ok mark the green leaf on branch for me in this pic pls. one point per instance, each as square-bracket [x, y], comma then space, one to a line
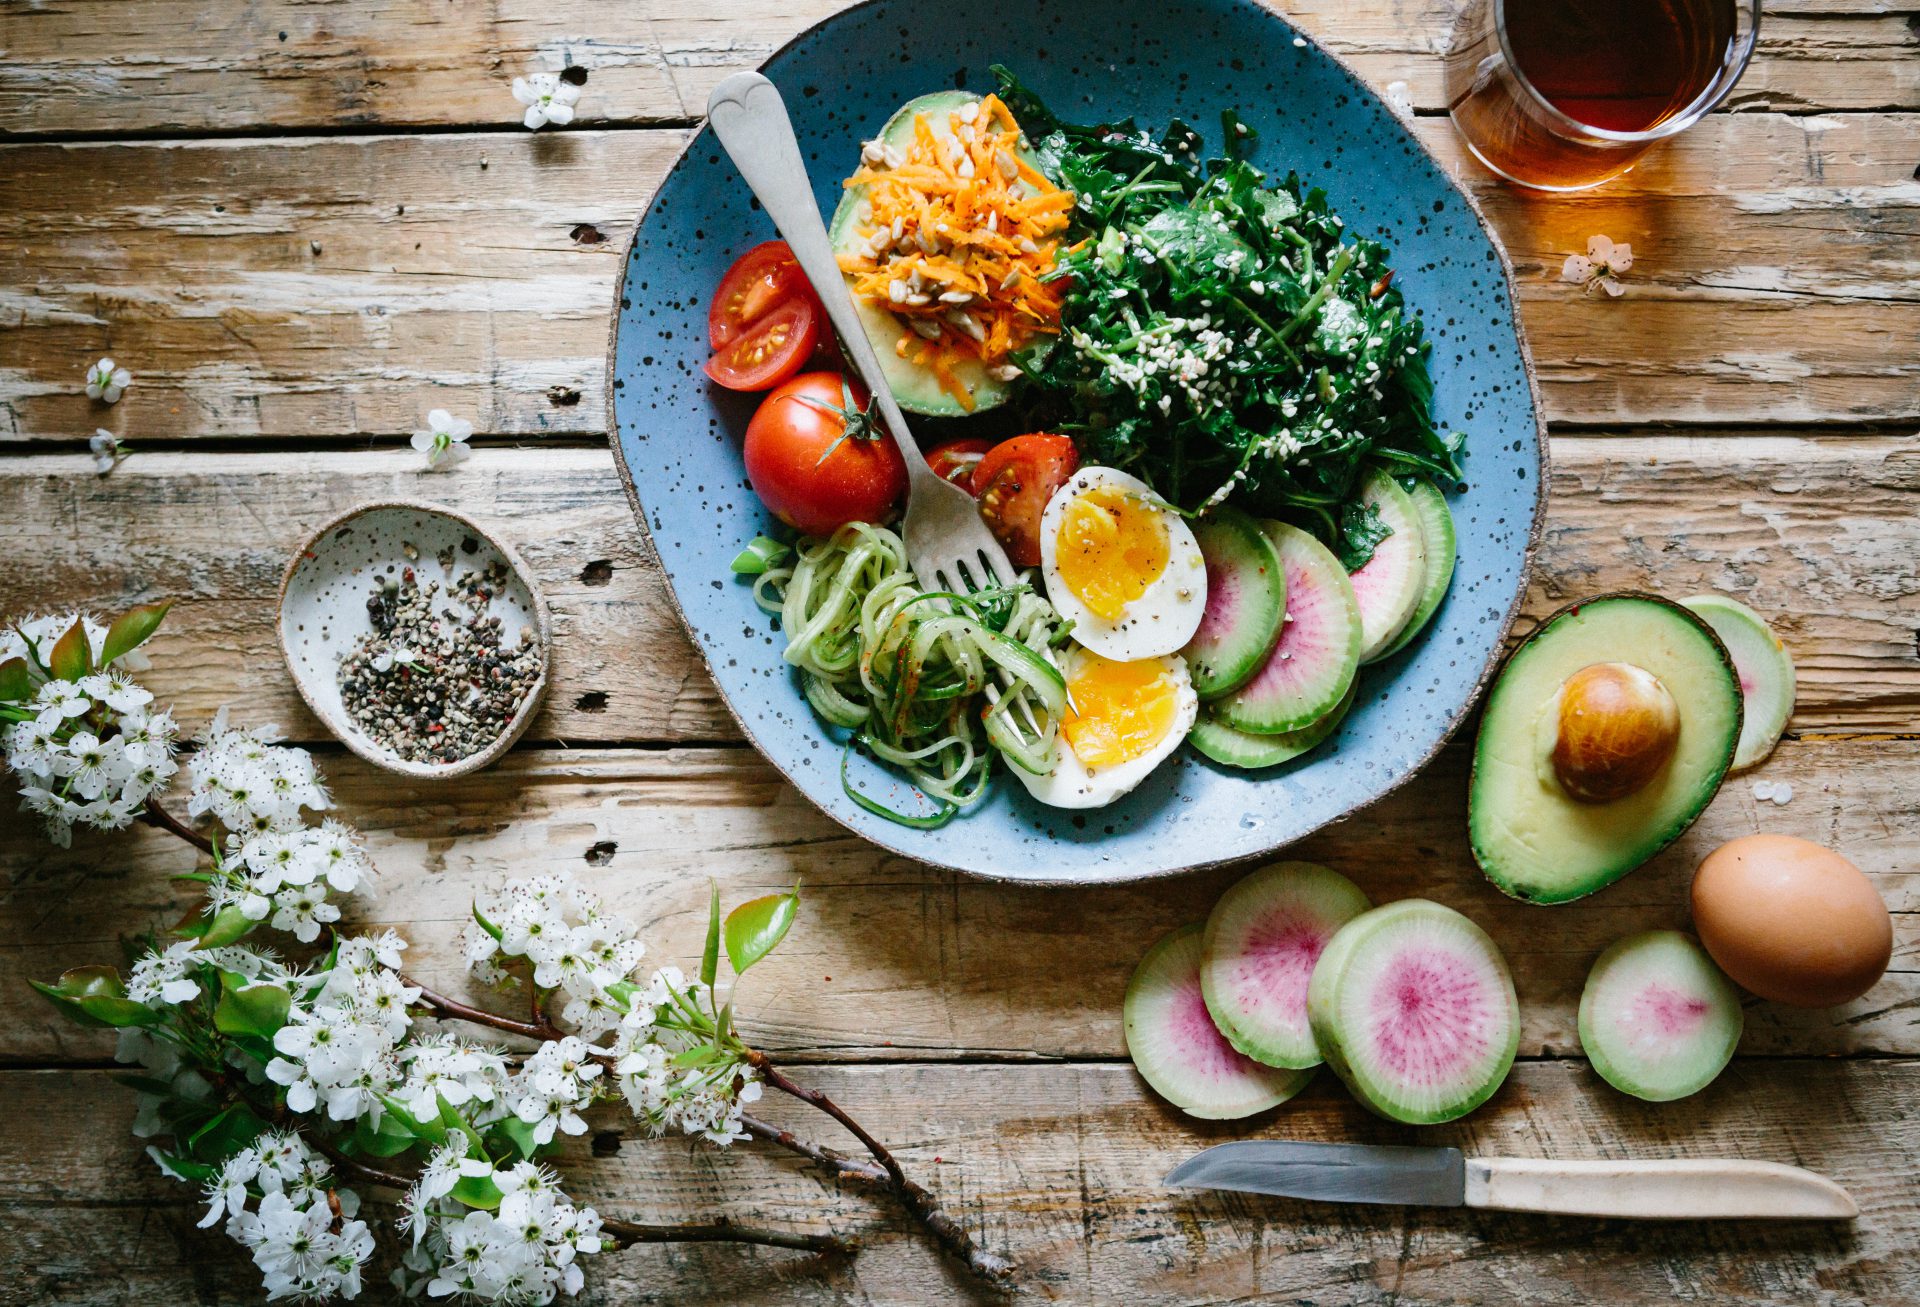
[480, 919]
[710, 959]
[432, 1131]
[477, 1191]
[95, 996]
[227, 926]
[250, 1009]
[72, 656]
[451, 1118]
[16, 680]
[519, 1135]
[183, 1168]
[756, 927]
[226, 1133]
[131, 630]
[388, 1139]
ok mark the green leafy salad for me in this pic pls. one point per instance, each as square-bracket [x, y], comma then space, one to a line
[1224, 336]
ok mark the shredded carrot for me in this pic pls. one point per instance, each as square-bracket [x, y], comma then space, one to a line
[961, 214]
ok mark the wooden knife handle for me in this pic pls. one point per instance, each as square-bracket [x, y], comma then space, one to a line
[1663, 1190]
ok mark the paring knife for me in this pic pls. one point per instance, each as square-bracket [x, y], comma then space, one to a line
[1685, 1189]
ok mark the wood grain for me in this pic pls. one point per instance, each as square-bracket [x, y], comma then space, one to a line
[1058, 1165]
[1819, 533]
[99, 66]
[330, 287]
[893, 959]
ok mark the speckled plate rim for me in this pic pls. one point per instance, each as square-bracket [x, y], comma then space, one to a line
[542, 638]
[1121, 875]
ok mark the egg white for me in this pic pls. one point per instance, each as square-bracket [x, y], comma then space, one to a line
[1160, 621]
[1071, 784]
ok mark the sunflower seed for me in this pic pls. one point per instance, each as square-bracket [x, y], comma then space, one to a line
[873, 152]
[897, 291]
[899, 229]
[1027, 246]
[918, 300]
[966, 325]
[1008, 168]
[925, 328]
[956, 297]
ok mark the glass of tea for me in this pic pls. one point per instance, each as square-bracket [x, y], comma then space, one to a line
[1562, 94]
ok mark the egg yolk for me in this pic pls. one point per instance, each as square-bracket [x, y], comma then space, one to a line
[1111, 547]
[1117, 712]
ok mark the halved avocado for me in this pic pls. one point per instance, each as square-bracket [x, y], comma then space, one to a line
[1531, 836]
[915, 387]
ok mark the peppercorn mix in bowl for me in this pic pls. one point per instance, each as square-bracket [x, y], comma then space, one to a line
[416, 637]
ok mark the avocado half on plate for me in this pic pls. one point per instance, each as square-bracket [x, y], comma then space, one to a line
[1605, 734]
[916, 387]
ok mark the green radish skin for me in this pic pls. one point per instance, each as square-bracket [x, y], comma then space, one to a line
[1389, 587]
[1258, 953]
[1765, 669]
[1658, 1020]
[1246, 603]
[1178, 1050]
[1412, 1006]
[915, 387]
[1314, 661]
[1437, 534]
[1230, 748]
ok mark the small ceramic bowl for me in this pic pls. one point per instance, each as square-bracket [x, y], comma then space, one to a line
[323, 611]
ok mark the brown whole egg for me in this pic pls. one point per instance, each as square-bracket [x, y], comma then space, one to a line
[1791, 921]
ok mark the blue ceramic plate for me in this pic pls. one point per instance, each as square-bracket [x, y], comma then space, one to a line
[678, 437]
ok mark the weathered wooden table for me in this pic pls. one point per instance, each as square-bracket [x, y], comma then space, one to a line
[303, 224]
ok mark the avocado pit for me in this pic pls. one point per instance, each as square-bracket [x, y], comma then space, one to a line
[1618, 726]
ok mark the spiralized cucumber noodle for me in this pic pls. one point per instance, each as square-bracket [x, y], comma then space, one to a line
[932, 682]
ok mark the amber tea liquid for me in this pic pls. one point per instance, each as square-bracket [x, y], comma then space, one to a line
[1543, 106]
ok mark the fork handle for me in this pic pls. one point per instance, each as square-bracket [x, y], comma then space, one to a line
[748, 115]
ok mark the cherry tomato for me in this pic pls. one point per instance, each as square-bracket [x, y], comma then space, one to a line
[956, 459]
[810, 469]
[1013, 484]
[764, 276]
[774, 347]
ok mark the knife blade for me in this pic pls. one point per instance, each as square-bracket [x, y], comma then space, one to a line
[1667, 1189]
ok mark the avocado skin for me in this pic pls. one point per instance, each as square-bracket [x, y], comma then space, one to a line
[1642, 834]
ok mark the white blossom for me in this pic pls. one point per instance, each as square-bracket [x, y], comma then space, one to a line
[92, 754]
[106, 449]
[525, 1252]
[249, 784]
[444, 441]
[548, 99]
[106, 381]
[1599, 268]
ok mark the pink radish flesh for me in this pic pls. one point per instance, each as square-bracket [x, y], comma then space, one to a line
[1432, 1018]
[1305, 646]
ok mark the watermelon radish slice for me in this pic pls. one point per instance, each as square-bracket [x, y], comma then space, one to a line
[1312, 664]
[1258, 951]
[1412, 1005]
[1436, 533]
[1658, 1019]
[1178, 1050]
[1765, 670]
[1246, 602]
[1232, 748]
[1389, 587]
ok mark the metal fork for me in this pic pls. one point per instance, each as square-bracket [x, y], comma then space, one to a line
[948, 546]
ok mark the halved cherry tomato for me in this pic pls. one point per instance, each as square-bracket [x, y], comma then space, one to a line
[817, 461]
[764, 276]
[956, 459]
[1013, 484]
[774, 347]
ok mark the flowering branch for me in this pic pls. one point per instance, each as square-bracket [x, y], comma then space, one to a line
[156, 815]
[269, 1082]
[922, 1204]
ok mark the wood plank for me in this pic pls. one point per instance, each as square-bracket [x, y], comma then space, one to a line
[1817, 532]
[330, 287]
[1059, 1166]
[893, 959]
[100, 67]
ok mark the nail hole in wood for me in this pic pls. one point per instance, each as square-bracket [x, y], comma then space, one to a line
[601, 853]
[598, 572]
[592, 701]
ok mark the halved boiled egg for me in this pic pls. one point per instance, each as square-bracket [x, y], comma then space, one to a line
[1121, 565]
[1122, 720]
